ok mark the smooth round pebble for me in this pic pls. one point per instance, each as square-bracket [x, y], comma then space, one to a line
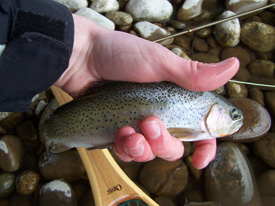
[165, 178]
[261, 68]
[27, 182]
[270, 101]
[7, 184]
[265, 149]
[238, 52]
[227, 33]
[74, 5]
[176, 24]
[58, 193]
[119, 18]
[96, 18]
[60, 165]
[205, 58]
[229, 178]
[152, 11]
[27, 131]
[241, 6]
[242, 75]
[256, 123]
[236, 90]
[200, 45]
[104, 6]
[11, 119]
[178, 51]
[258, 36]
[11, 153]
[189, 10]
[257, 95]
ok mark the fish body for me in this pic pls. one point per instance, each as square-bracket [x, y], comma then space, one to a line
[93, 121]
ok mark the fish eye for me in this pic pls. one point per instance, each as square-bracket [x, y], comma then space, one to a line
[235, 113]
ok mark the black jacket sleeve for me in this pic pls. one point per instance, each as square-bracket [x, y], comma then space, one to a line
[38, 35]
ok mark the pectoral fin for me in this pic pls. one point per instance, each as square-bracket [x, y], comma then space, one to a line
[187, 135]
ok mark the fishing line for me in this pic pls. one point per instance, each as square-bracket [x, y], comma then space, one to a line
[251, 83]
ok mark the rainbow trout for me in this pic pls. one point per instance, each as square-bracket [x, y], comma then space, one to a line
[94, 120]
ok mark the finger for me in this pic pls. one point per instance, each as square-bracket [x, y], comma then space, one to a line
[162, 143]
[198, 76]
[205, 151]
[132, 146]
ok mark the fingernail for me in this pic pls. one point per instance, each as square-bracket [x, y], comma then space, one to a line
[135, 151]
[151, 129]
[206, 161]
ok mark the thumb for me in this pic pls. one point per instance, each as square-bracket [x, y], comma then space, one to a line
[199, 76]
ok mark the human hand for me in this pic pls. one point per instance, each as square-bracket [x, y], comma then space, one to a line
[101, 54]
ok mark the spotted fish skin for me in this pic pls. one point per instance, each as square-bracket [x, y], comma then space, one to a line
[95, 119]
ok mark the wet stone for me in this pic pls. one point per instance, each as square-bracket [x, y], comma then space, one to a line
[238, 52]
[236, 90]
[204, 33]
[228, 178]
[27, 182]
[58, 193]
[60, 166]
[200, 45]
[242, 75]
[12, 119]
[164, 178]
[119, 18]
[212, 42]
[256, 123]
[215, 52]
[27, 131]
[265, 149]
[240, 6]
[227, 33]
[262, 68]
[162, 200]
[266, 184]
[104, 6]
[257, 95]
[7, 184]
[96, 18]
[176, 24]
[152, 11]
[205, 58]
[270, 101]
[189, 10]
[178, 51]
[258, 36]
[11, 153]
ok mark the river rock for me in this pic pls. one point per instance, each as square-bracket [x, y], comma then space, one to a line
[258, 36]
[266, 183]
[178, 51]
[262, 68]
[27, 182]
[196, 173]
[184, 42]
[189, 10]
[7, 184]
[236, 90]
[74, 5]
[11, 153]
[96, 18]
[27, 131]
[265, 149]
[119, 18]
[161, 177]
[205, 58]
[58, 193]
[104, 6]
[151, 31]
[22, 200]
[242, 75]
[60, 165]
[3, 130]
[204, 33]
[238, 52]
[162, 200]
[152, 11]
[256, 123]
[263, 80]
[200, 45]
[227, 33]
[257, 95]
[212, 42]
[268, 17]
[241, 6]
[228, 178]
[270, 101]
[11, 119]
[176, 24]
[202, 204]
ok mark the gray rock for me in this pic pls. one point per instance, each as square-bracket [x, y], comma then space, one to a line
[11, 153]
[189, 10]
[258, 36]
[96, 18]
[104, 6]
[229, 178]
[74, 5]
[240, 6]
[119, 18]
[227, 33]
[58, 193]
[152, 11]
